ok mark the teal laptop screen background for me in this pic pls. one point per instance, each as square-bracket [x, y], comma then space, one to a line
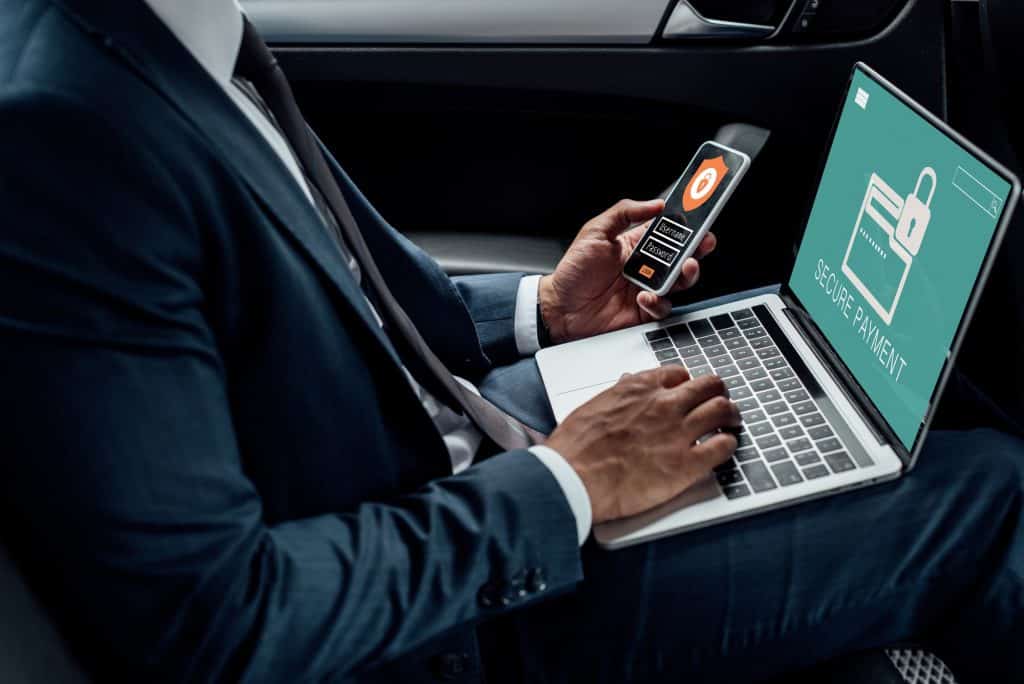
[887, 264]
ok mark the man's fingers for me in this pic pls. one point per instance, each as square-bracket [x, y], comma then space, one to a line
[672, 375]
[690, 395]
[624, 214]
[654, 306]
[707, 245]
[689, 274]
[715, 450]
[717, 412]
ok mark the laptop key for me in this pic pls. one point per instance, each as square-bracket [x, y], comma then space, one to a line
[701, 328]
[796, 396]
[719, 361]
[659, 345]
[721, 321]
[820, 432]
[741, 391]
[689, 350]
[839, 462]
[768, 352]
[729, 334]
[735, 343]
[708, 341]
[789, 385]
[787, 474]
[730, 477]
[700, 371]
[715, 350]
[770, 395]
[748, 404]
[736, 491]
[733, 383]
[747, 364]
[762, 385]
[756, 373]
[742, 313]
[742, 353]
[802, 444]
[672, 362]
[804, 407]
[758, 476]
[754, 333]
[744, 440]
[791, 432]
[753, 416]
[768, 442]
[781, 374]
[812, 419]
[697, 360]
[777, 362]
[760, 429]
[761, 343]
[744, 455]
[680, 334]
[728, 372]
[748, 323]
[656, 335]
[773, 455]
[814, 472]
[776, 407]
[830, 444]
[783, 419]
[807, 457]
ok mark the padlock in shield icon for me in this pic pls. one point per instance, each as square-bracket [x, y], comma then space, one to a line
[886, 238]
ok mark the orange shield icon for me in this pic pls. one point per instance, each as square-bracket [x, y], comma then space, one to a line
[704, 183]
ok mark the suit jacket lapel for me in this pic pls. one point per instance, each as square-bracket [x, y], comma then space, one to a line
[138, 36]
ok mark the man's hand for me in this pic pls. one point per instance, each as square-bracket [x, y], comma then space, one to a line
[634, 445]
[587, 294]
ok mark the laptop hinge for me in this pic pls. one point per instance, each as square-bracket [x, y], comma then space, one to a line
[816, 341]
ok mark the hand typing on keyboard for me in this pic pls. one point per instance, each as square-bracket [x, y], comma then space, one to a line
[634, 445]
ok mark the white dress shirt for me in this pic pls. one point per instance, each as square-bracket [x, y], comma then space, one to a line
[211, 30]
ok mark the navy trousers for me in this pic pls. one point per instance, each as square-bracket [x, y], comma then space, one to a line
[934, 558]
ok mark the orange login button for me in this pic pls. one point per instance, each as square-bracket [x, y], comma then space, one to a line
[646, 271]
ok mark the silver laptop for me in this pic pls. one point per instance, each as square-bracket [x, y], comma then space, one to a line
[838, 375]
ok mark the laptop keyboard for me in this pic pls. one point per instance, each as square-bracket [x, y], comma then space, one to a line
[790, 433]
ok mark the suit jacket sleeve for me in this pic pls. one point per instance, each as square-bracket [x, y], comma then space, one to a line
[124, 486]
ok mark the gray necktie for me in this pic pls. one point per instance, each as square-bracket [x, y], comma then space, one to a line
[272, 94]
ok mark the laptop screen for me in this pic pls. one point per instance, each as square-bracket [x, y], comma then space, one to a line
[896, 238]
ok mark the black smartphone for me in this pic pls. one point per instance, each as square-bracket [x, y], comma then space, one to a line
[693, 205]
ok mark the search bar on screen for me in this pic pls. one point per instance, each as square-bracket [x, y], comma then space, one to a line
[976, 191]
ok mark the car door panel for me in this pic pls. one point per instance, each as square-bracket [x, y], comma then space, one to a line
[458, 21]
[533, 139]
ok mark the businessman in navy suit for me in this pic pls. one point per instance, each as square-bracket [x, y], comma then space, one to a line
[244, 439]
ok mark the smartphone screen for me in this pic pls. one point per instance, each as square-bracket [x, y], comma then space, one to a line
[694, 200]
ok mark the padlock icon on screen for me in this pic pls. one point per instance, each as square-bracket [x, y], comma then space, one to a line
[916, 214]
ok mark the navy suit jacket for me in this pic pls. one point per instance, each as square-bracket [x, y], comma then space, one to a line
[214, 467]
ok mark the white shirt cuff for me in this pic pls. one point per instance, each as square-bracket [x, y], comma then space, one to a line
[572, 487]
[526, 316]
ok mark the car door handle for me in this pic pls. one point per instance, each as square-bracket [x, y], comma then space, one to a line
[686, 23]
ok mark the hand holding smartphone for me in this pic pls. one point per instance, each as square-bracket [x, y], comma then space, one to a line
[691, 208]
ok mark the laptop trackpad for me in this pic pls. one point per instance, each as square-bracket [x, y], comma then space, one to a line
[565, 403]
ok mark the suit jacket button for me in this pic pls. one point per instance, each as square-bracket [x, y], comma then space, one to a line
[451, 666]
[535, 581]
[487, 596]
